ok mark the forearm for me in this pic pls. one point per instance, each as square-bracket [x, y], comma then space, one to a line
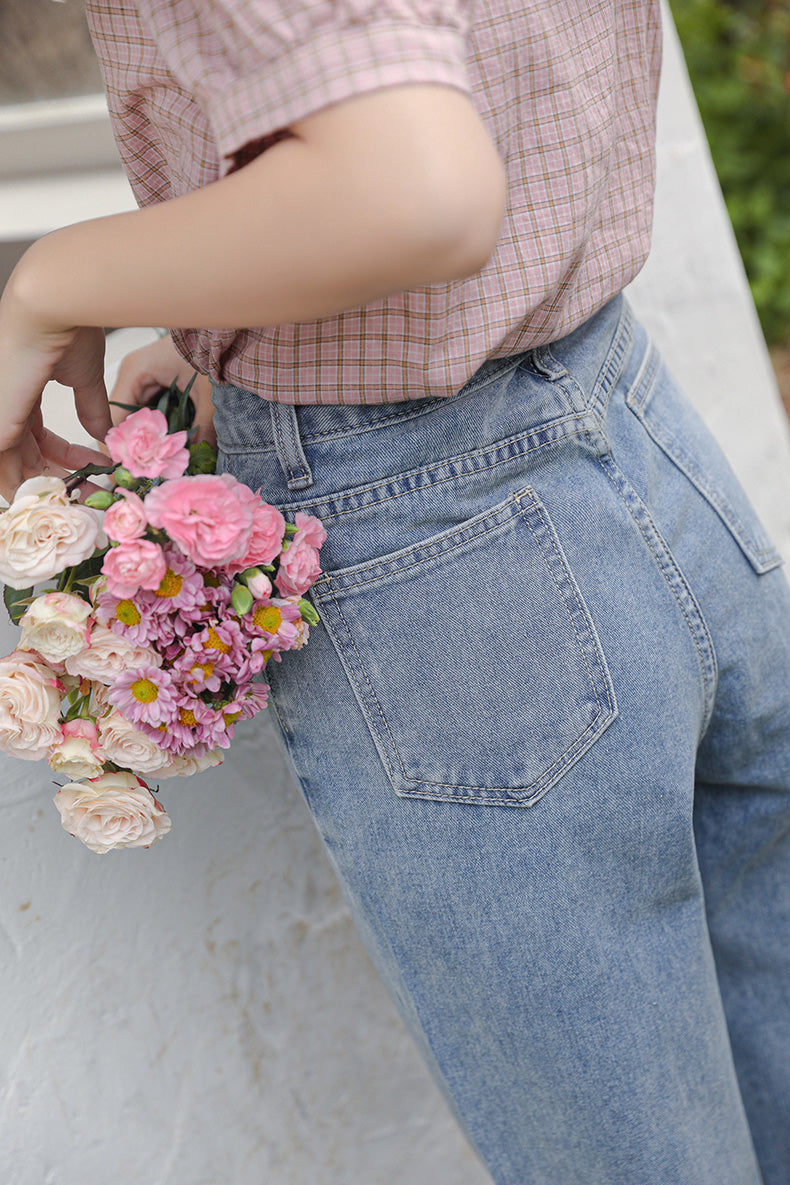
[291, 237]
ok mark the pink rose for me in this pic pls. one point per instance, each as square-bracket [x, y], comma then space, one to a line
[132, 566]
[209, 516]
[310, 530]
[141, 443]
[299, 568]
[125, 520]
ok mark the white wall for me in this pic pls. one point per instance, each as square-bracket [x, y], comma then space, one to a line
[202, 1013]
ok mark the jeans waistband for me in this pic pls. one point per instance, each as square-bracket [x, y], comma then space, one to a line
[587, 355]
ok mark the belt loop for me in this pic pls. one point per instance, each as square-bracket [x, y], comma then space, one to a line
[285, 429]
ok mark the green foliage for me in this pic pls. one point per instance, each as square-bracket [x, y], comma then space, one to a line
[738, 56]
[16, 601]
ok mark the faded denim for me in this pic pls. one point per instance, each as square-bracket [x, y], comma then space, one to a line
[544, 731]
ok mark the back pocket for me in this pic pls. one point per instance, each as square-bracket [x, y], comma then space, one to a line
[473, 658]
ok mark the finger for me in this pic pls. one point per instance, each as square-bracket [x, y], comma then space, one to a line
[57, 451]
[93, 410]
[11, 473]
[204, 430]
[143, 388]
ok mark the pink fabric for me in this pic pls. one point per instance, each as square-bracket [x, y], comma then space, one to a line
[566, 88]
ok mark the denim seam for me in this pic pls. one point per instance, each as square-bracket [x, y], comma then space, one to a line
[281, 720]
[538, 508]
[579, 743]
[708, 663]
[575, 427]
[290, 423]
[619, 350]
[688, 466]
[639, 393]
[379, 746]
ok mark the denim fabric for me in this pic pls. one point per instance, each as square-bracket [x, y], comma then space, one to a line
[544, 730]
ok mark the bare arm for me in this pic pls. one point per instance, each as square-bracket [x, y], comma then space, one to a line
[387, 191]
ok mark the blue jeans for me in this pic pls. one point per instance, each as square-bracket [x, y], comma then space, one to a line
[544, 731]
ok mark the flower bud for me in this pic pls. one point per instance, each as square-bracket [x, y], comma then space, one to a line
[122, 477]
[258, 583]
[241, 599]
[308, 611]
[101, 500]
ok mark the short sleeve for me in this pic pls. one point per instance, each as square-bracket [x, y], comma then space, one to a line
[255, 66]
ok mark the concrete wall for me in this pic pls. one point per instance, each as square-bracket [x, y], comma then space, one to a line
[203, 1013]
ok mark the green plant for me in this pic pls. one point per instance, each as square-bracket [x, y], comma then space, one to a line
[738, 56]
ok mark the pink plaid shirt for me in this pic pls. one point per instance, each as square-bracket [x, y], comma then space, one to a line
[566, 88]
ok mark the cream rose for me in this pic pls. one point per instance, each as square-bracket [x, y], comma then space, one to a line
[43, 532]
[182, 766]
[55, 625]
[29, 707]
[116, 810]
[108, 655]
[122, 743]
[78, 755]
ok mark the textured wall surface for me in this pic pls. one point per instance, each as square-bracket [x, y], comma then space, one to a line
[202, 1013]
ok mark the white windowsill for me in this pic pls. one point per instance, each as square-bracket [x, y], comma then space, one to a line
[58, 164]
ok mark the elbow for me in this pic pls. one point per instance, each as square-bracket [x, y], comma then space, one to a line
[466, 221]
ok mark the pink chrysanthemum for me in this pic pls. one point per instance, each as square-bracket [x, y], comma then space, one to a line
[132, 617]
[275, 620]
[210, 606]
[223, 641]
[193, 727]
[181, 588]
[195, 670]
[147, 695]
[247, 702]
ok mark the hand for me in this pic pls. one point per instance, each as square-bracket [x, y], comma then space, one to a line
[145, 371]
[31, 353]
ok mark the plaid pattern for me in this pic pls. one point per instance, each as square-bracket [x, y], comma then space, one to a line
[566, 88]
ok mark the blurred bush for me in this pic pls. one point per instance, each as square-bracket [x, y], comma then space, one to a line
[738, 56]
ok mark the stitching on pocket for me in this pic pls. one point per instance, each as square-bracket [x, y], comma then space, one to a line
[393, 569]
[502, 796]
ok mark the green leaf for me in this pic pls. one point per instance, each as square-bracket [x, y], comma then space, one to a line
[89, 570]
[125, 406]
[202, 458]
[16, 601]
[80, 475]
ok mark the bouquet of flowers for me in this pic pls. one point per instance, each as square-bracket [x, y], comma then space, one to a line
[165, 597]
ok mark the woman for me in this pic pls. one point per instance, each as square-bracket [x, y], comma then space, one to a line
[544, 727]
